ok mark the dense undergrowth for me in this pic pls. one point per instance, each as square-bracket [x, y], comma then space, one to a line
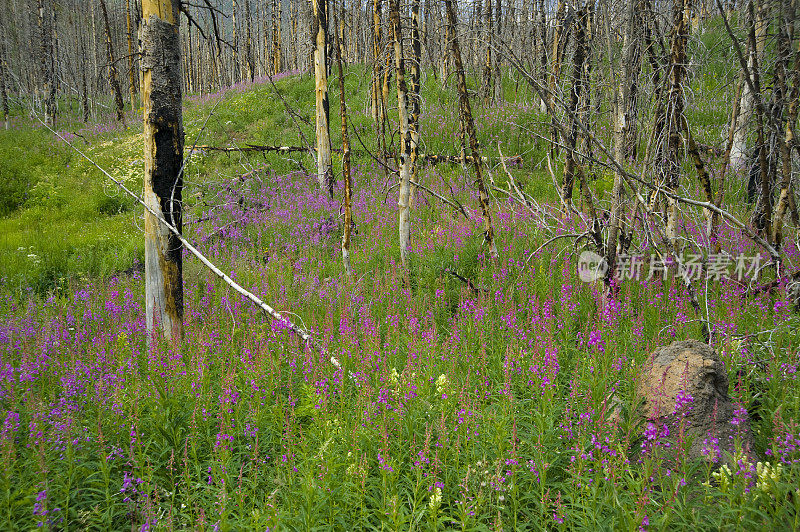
[445, 406]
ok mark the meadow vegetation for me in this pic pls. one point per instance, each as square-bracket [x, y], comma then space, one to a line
[504, 404]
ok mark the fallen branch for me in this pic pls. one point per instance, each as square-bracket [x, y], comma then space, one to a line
[302, 333]
[432, 159]
[476, 290]
[454, 204]
[251, 147]
[768, 287]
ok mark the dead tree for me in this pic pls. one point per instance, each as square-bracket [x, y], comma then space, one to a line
[113, 78]
[468, 127]
[783, 73]
[488, 79]
[348, 201]
[625, 110]
[248, 42]
[133, 82]
[45, 22]
[277, 63]
[163, 160]
[414, 97]
[377, 49]
[3, 89]
[576, 99]
[673, 115]
[320, 51]
[406, 161]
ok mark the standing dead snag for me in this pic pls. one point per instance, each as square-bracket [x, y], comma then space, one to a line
[132, 81]
[3, 91]
[277, 63]
[113, 79]
[324, 170]
[348, 202]
[576, 97]
[674, 115]
[414, 99]
[45, 22]
[468, 127]
[406, 161]
[163, 158]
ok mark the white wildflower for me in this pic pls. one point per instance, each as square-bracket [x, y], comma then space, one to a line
[436, 499]
[442, 384]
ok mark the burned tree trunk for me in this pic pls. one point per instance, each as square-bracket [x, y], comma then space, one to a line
[3, 89]
[132, 81]
[783, 73]
[248, 42]
[674, 114]
[163, 160]
[348, 201]
[739, 155]
[624, 130]
[468, 127]
[414, 98]
[406, 162]
[324, 170]
[576, 96]
[277, 65]
[488, 89]
[84, 84]
[378, 99]
[555, 71]
[113, 79]
[45, 21]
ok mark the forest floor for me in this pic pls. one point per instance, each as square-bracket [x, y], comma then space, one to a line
[474, 406]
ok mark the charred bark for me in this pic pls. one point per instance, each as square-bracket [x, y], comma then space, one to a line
[468, 125]
[113, 78]
[163, 160]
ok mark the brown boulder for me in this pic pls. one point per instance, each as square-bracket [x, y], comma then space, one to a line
[685, 389]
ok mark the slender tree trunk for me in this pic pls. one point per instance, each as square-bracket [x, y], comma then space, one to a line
[132, 81]
[542, 23]
[555, 70]
[488, 89]
[45, 20]
[763, 212]
[783, 73]
[348, 202]
[163, 160]
[416, 61]
[404, 222]
[377, 44]
[3, 88]
[236, 70]
[674, 114]
[576, 95]
[624, 145]
[277, 65]
[739, 154]
[112, 66]
[324, 170]
[468, 125]
[248, 42]
[498, 72]
[84, 84]
[293, 22]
